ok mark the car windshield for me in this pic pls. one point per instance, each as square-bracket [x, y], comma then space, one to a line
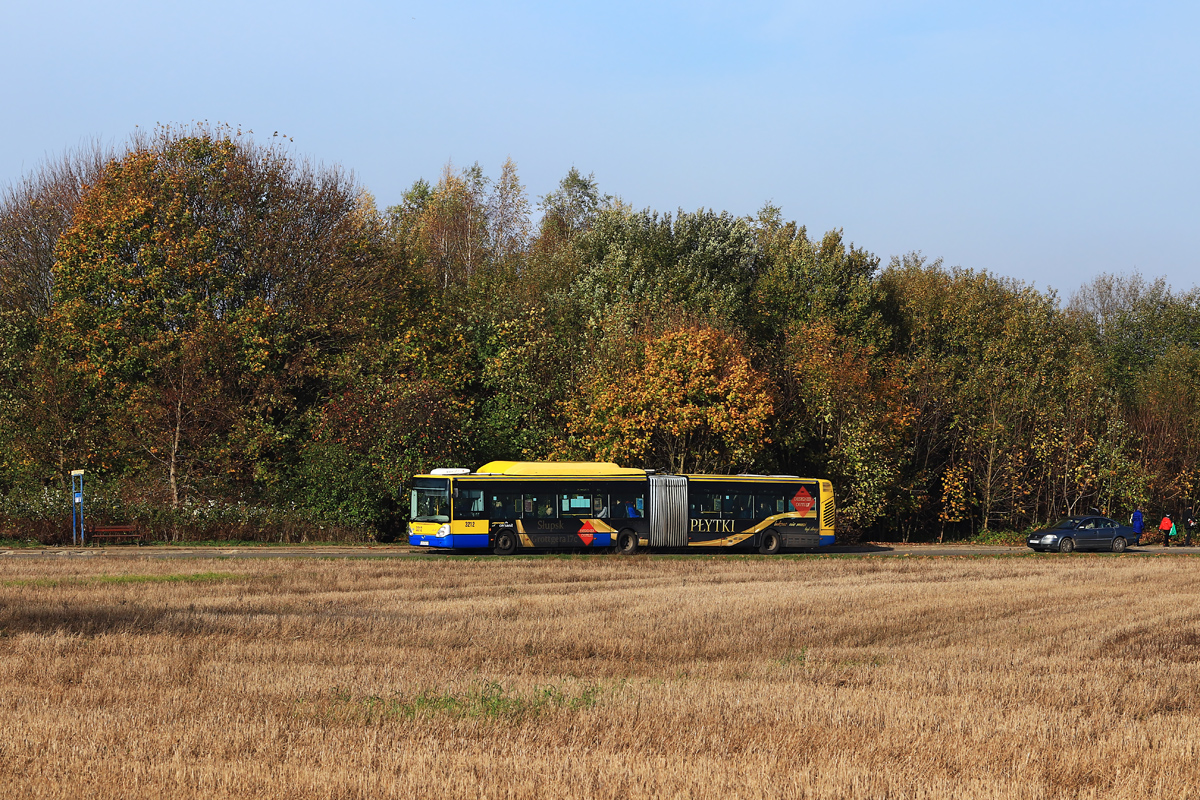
[430, 500]
[1070, 524]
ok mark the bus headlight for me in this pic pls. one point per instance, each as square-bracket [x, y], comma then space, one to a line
[443, 531]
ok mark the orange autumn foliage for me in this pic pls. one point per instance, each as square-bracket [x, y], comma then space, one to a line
[688, 400]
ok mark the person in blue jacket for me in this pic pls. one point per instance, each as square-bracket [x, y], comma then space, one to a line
[1137, 523]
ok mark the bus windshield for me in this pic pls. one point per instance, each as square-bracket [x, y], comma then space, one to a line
[430, 500]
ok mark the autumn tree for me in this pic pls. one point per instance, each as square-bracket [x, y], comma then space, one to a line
[818, 302]
[44, 409]
[196, 315]
[1146, 337]
[452, 226]
[1165, 417]
[688, 400]
[852, 405]
[178, 302]
[34, 212]
[1013, 423]
[509, 226]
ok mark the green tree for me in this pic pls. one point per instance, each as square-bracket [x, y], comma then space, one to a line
[1011, 422]
[533, 364]
[366, 444]
[802, 280]
[570, 210]
[640, 266]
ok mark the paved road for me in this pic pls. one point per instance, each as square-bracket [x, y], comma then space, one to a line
[403, 551]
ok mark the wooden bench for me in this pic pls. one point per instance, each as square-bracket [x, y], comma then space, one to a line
[114, 533]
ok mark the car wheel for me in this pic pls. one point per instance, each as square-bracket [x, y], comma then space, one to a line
[770, 544]
[1066, 544]
[1118, 545]
[506, 543]
[627, 543]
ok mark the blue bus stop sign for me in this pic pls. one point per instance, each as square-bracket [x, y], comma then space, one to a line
[77, 529]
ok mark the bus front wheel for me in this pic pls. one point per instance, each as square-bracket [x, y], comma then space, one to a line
[506, 543]
[770, 544]
[627, 543]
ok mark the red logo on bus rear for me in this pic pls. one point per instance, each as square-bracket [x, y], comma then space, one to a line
[802, 501]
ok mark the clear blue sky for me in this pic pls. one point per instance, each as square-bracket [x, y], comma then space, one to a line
[1048, 141]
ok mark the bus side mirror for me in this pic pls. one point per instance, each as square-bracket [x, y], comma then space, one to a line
[455, 492]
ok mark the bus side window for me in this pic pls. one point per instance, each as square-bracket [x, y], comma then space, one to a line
[505, 506]
[705, 505]
[544, 505]
[769, 503]
[738, 506]
[469, 504]
[626, 505]
[575, 504]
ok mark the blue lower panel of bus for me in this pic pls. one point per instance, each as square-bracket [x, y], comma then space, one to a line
[463, 540]
[469, 540]
[826, 540]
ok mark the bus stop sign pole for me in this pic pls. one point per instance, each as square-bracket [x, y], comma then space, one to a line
[77, 506]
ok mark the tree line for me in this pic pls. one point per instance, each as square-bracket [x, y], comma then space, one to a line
[234, 342]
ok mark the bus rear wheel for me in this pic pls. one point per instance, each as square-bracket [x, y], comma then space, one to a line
[506, 543]
[627, 543]
[770, 544]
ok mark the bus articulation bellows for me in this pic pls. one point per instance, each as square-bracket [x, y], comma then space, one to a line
[511, 505]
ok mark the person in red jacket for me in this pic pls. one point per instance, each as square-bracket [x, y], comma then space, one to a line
[1165, 526]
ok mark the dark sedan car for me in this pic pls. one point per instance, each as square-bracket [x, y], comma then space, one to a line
[1084, 533]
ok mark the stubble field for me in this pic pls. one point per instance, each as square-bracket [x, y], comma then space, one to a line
[601, 677]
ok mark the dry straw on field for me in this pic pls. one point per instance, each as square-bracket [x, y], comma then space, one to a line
[601, 677]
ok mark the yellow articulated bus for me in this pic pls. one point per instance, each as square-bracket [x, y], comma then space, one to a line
[511, 505]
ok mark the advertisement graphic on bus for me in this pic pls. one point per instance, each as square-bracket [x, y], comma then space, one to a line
[511, 505]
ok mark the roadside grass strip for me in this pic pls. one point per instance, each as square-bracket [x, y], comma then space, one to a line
[187, 577]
